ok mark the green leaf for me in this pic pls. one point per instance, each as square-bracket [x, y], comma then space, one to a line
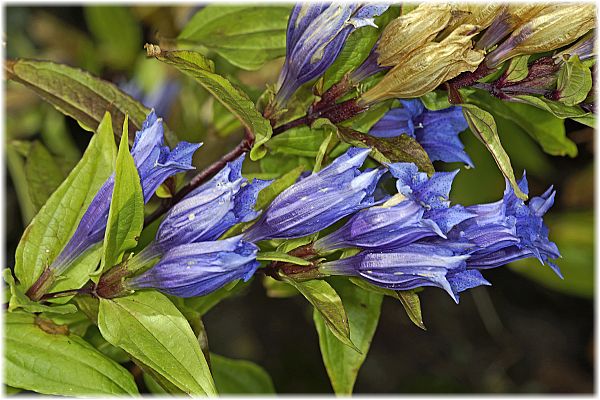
[342, 363]
[300, 141]
[151, 329]
[53, 226]
[117, 32]
[281, 257]
[77, 93]
[483, 126]
[278, 289]
[574, 82]
[240, 376]
[126, 215]
[43, 174]
[401, 148]
[18, 299]
[556, 108]
[39, 356]
[246, 36]
[409, 299]
[326, 301]
[546, 129]
[355, 51]
[364, 121]
[237, 102]
[518, 69]
[323, 150]
[16, 168]
[435, 100]
[268, 194]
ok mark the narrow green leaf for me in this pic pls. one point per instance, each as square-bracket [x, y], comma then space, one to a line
[482, 124]
[43, 174]
[150, 328]
[517, 69]
[408, 298]
[282, 257]
[556, 108]
[53, 226]
[16, 168]
[300, 141]
[126, 215]
[43, 357]
[323, 150]
[343, 363]
[574, 82]
[268, 194]
[401, 148]
[77, 93]
[237, 102]
[240, 376]
[246, 36]
[328, 304]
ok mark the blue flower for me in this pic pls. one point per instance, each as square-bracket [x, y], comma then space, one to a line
[408, 267]
[381, 227]
[508, 230]
[436, 131]
[211, 209]
[315, 36]
[368, 68]
[431, 193]
[154, 162]
[319, 200]
[196, 269]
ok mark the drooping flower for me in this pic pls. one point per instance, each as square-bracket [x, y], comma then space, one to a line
[155, 163]
[212, 208]
[426, 68]
[381, 227]
[508, 230]
[315, 36]
[554, 27]
[436, 131]
[430, 193]
[196, 269]
[318, 200]
[405, 268]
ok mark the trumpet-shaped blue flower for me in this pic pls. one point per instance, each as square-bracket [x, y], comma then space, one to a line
[319, 200]
[381, 227]
[315, 36]
[432, 194]
[408, 267]
[436, 131]
[154, 162]
[211, 209]
[196, 269]
[509, 230]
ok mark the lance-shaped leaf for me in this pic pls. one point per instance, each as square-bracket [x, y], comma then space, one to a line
[342, 363]
[237, 102]
[240, 376]
[483, 126]
[152, 330]
[52, 227]
[246, 36]
[126, 215]
[574, 82]
[43, 174]
[43, 357]
[390, 150]
[328, 304]
[77, 93]
[559, 109]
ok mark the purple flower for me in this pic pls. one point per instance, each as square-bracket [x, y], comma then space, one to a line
[196, 269]
[436, 131]
[154, 162]
[408, 267]
[381, 227]
[508, 230]
[319, 200]
[432, 194]
[211, 209]
[315, 36]
[368, 68]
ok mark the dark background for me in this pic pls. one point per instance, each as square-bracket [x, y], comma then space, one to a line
[520, 335]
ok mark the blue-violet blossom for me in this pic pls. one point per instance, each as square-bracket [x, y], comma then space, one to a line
[436, 131]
